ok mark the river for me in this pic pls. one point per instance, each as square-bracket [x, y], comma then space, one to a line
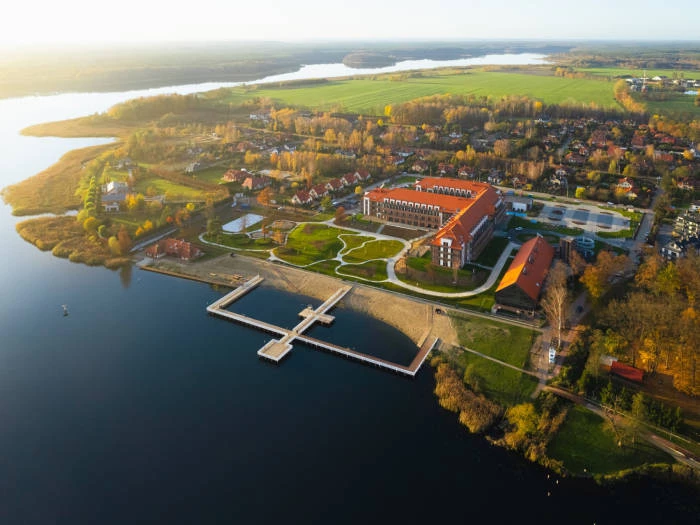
[140, 408]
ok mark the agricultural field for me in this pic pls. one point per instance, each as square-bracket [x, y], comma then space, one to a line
[371, 96]
[173, 191]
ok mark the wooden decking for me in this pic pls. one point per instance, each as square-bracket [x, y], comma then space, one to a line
[276, 349]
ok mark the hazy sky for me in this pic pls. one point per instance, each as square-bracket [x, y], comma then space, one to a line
[71, 21]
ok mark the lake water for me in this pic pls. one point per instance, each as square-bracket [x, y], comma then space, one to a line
[140, 408]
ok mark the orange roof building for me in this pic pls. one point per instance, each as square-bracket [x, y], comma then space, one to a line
[521, 286]
[464, 236]
[463, 212]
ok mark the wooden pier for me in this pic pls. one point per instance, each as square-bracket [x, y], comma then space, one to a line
[276, 349]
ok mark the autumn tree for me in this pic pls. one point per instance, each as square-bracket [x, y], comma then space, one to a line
[265, 196]
[124, 240]
[339, 215]
[555, 302]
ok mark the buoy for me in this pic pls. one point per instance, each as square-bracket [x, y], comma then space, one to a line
[65, 310]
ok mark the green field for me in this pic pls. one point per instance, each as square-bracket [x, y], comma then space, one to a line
[373, 250]
[310, 243]
[618, 72]
[492, 251]
[371, 96]
[173, 191]
[585, 442]
[353, 241]
[372, 270]
[507, 343]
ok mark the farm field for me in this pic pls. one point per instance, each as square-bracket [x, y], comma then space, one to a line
[371, 96]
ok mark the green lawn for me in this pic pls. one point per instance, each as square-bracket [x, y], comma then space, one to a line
[499, 340]
[507, 343]
[371, 96]
[173, 191]
[212, 174]
[309, 243]
[492, 251]
[353, 241]
[585, 442]
[374, 250]
[372, 270]
[536, 225]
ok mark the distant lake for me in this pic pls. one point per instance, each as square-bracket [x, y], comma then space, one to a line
[140, 408]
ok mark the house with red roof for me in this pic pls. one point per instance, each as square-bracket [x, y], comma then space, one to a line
[349, 179]
[521, 286]
[334, 185]
[302, 198]
[175, 248]
[319, 191]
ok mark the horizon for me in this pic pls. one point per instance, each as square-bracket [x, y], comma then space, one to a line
[77, 22]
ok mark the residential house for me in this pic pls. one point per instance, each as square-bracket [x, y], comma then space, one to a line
[349, 179]
[235, 176]
[319, 191]
[174, 247]
[255, 183]
[302, 198]
[419, 166]
[334, 185]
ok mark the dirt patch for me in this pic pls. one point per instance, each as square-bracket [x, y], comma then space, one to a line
[403, 233]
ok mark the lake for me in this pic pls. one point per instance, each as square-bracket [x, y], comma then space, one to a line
[139, 407]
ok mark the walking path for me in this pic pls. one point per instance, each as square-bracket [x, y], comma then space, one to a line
[390, 261]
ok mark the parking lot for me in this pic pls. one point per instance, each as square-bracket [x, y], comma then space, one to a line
[589, 218]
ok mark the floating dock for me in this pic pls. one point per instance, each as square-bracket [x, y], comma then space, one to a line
[276, 349]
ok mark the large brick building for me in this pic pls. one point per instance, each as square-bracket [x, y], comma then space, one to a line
[464, 213]
[521, 286]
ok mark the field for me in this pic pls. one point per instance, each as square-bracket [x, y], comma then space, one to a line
[372, 270]
[618, 72]
[584, 444]
[373, 250]
[172, 191]
[310, 243]
[371, 96]
[353, 241]
[504, 342]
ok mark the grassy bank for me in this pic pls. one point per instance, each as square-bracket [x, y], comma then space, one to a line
[586, 445]
[52, 190]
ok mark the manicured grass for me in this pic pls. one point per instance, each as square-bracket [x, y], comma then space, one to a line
[501, 384]
[173, 191]
[492, 251]
[501, 341]
[536, 225]
[325, 267]
[585, 442]
[621, 234]
[212, 174]
[309, 243]
[507, 343]
[235, 240]
[371, 96]
[374, 250]
[372, 270]
[353, 241]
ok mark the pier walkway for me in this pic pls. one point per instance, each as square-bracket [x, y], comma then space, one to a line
[276, 349]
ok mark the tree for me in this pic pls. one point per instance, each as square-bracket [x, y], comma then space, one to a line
[124, 240]
[326, 203]
[265, 196]
[555, 302]
[214, 227]
[580, 192]
[640, 413]
[359, 190]
[339, 215]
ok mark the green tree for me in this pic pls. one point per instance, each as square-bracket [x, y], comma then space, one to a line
[326, 203]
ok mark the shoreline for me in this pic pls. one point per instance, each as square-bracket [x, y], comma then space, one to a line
[412, 317]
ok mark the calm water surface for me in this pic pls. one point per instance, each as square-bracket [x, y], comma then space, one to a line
[138, 407]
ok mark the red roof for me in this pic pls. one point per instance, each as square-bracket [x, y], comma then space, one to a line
[460, 226]
[529, 268]
[627, 372]
[429, 183]
[335, 184]
[446, 203]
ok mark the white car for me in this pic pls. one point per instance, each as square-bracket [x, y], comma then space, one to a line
[518, 228]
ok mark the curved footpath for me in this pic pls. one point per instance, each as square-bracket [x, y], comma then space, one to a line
[391, 262]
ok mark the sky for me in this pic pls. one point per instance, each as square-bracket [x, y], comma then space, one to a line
[134, 21]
